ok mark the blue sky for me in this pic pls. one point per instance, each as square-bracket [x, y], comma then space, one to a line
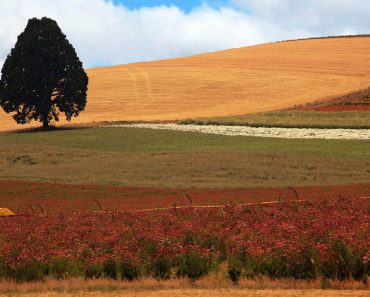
[111, 32]
[186, 5]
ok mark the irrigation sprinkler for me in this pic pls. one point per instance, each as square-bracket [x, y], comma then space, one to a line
[98, 203]
[291, 189]
[189, 198]
[30, 207]
[41, 209]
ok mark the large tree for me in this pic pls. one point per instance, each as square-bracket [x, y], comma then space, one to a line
[43, 76]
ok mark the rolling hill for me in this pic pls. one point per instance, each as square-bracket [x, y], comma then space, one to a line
[239, 81]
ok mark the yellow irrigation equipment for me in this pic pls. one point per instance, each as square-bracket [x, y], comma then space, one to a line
[4, 212]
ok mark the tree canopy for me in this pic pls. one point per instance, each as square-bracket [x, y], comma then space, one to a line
[43, 76]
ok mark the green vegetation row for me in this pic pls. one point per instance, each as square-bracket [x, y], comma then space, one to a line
[292, 119]
[343, 265]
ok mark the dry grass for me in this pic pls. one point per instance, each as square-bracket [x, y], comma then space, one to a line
[247, 80]
[210, 286]
[207, 293]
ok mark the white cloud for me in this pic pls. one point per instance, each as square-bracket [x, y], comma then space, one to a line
[105, 34]
[315, 17]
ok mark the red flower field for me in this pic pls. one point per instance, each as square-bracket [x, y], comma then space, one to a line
[290, 239]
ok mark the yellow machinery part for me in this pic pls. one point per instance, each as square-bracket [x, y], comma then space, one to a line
[4, 212]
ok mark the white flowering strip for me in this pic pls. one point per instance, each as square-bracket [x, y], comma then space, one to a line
[260, 132]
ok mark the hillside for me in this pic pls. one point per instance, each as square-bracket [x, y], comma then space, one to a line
[240, 81]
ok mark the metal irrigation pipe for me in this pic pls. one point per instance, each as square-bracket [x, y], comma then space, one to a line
[98, 203]
[189, 198]
[289, 188]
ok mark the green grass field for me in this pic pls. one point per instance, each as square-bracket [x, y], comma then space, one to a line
[293, 119]
[158, 158]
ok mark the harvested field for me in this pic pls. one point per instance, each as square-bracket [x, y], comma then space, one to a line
[57, 197]
[289, 133]
[253, 79]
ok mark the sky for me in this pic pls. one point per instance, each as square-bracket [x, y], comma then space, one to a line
[111, 32]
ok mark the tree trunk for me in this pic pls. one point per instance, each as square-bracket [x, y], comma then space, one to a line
[45, 123]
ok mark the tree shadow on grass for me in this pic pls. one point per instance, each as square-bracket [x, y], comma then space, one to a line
[49, 129]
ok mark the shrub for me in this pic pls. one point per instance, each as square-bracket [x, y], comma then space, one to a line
[63, 267]
[28, 272]
[192, 265]
[129, 270]
[217, 243]
[344, 264]
[305, 266]
[234, 268]
[251, 268]
[94, 271]
[274, 268]
[110, 269]
[4, 270]
[147, 249]
[161, 268]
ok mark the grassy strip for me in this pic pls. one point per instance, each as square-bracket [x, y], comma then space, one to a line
[292, 119]
[138, 140]
[173, 159]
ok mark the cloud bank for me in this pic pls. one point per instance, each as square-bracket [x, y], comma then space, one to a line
[107, 34]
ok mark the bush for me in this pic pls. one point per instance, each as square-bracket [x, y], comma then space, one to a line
[217, 243]
[274, 268]
[4, 270]
[94, 271]
[129, 270]
[110, 269]
[63, 267]
[147, 249]
[192, 265]
[162, 268]
[234, 268]
[305, 266]
[251, 268]
[344, 264]
[28, 272]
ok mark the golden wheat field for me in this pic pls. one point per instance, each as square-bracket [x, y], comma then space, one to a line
[240, 81]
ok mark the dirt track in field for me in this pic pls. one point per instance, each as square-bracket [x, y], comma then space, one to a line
[240, 81]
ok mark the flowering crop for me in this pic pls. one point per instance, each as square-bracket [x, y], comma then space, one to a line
[293, 239]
